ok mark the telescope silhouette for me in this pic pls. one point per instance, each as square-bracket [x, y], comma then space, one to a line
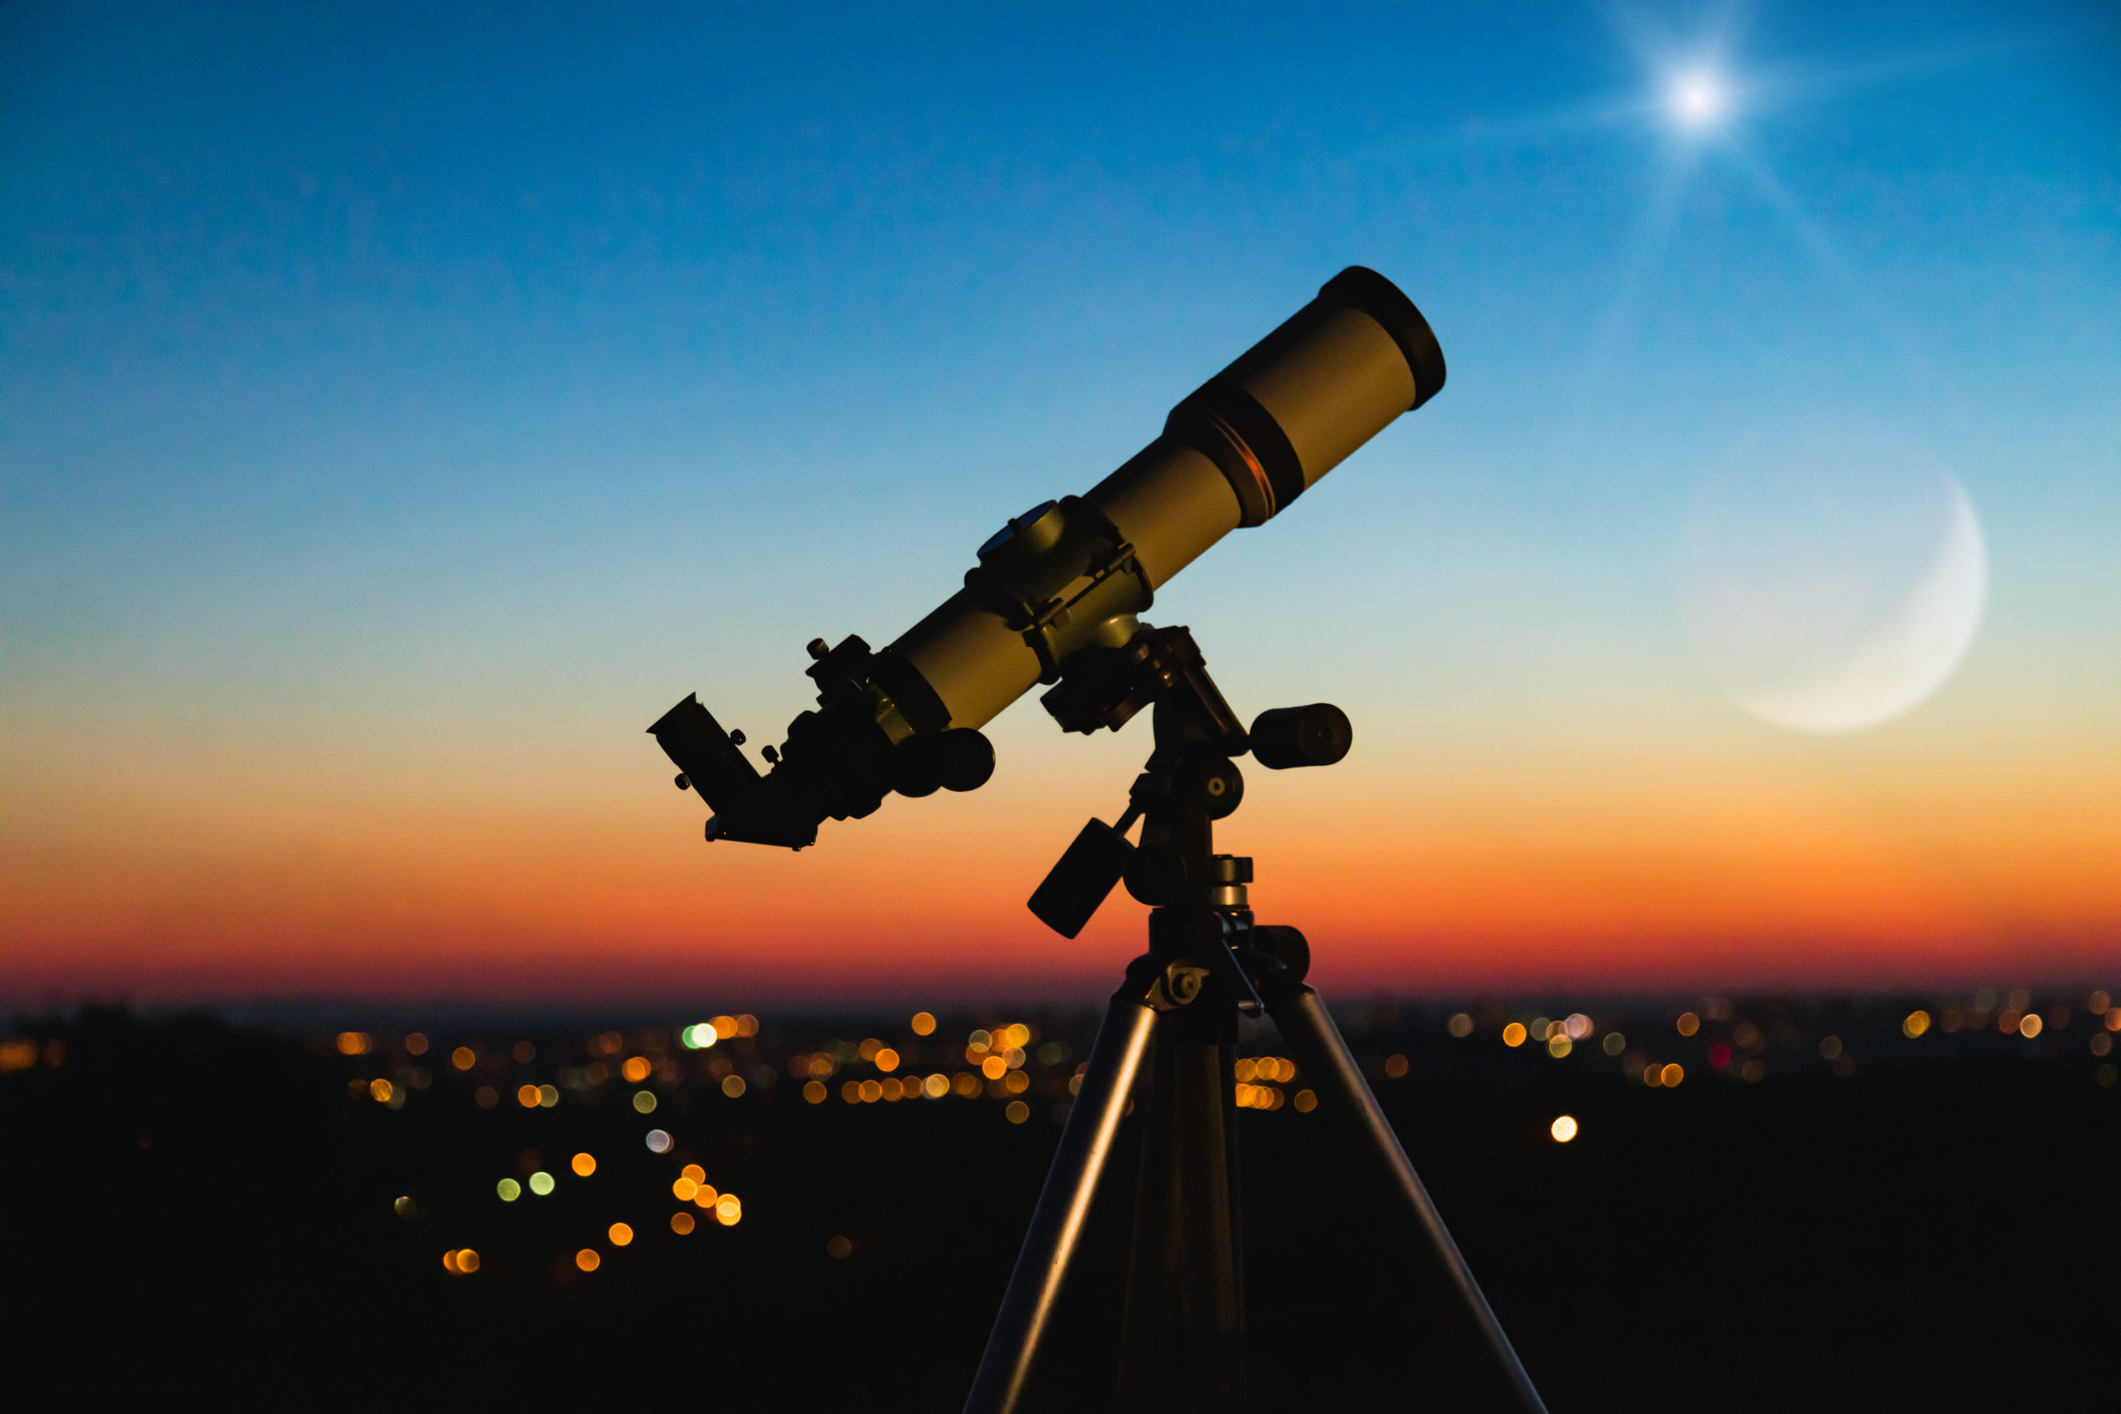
[1056, 599]
[1059, 589]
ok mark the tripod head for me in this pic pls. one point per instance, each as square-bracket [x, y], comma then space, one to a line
[1190, 781]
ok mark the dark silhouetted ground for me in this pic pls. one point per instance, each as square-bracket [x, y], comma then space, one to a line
[1935, 1225]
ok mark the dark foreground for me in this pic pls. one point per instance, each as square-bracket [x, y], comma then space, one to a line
[187, 1206]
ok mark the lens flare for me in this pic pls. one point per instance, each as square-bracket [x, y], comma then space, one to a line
[1698, 99]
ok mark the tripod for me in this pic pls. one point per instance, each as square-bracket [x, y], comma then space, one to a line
[1182, 1331]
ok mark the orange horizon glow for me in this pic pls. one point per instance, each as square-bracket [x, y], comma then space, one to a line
[1728, 882]
[1693, 854]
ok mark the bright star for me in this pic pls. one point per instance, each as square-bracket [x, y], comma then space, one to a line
[1698, 98]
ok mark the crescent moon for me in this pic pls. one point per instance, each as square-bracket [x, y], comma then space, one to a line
[1910, 655]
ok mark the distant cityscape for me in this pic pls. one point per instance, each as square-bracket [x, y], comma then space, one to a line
[622, 1137]
[831, 1203]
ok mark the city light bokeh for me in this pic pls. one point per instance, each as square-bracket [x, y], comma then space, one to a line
[1024, 1071]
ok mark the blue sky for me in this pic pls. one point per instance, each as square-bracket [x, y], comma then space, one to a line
[405, 403]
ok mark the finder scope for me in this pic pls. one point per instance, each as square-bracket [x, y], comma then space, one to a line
[1071, 576]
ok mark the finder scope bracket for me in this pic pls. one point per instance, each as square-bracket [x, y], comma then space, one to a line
[1064, 577]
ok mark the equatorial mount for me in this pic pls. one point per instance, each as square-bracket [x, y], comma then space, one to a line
[1190, 781]
[1171, 1034]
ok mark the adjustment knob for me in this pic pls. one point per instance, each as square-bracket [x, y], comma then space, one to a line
[1156, 875]
[957, 759]
[1219, 787]
[1317, 735]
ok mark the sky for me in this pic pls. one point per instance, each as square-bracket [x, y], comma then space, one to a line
[402, 405]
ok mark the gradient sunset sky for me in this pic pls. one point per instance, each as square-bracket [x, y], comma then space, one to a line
[402, 405]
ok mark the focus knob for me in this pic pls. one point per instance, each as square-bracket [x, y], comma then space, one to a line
[957, 759]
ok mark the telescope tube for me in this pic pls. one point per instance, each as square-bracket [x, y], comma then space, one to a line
[1235, 453]
[1072, 575]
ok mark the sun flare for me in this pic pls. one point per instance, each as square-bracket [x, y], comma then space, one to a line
[1698, 99]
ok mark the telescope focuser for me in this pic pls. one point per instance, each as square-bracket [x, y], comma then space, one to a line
[879, 727]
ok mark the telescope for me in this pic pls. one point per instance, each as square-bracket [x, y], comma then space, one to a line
[1056, 593]
[1056, 599]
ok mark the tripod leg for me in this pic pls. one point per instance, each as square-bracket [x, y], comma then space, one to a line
[1214, 1307]
[1182, 1340]
[1149, 1374]
[1344, 1097]
[1064, 1202]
